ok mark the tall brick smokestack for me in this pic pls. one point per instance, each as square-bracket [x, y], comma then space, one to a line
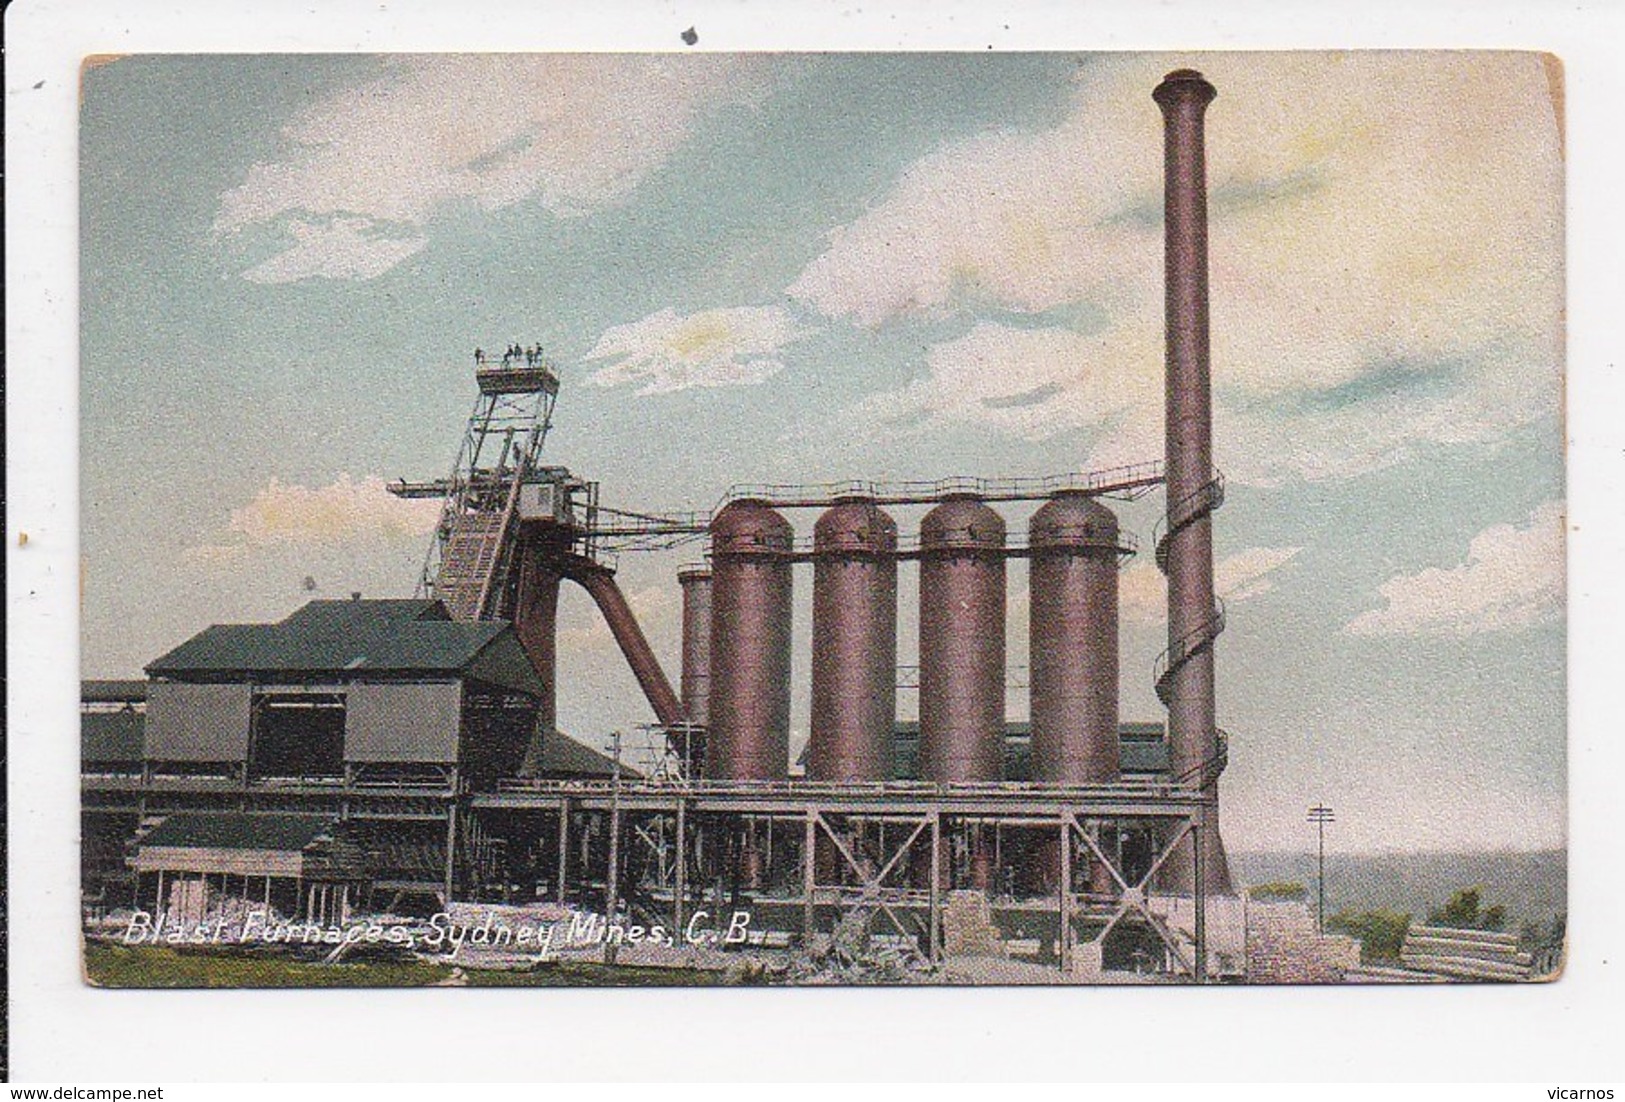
[1192, 489]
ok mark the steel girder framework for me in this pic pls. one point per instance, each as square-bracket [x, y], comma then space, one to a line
[686, 830]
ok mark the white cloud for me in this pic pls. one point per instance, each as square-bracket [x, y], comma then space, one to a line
[1246, 573]
[1143, 591]
[341, 512]
[667, 351]
[338, 249]
[582, 626]
[215, 556]
[1513, 577]
[1387, 232]
[576, 132]
[1030, 382]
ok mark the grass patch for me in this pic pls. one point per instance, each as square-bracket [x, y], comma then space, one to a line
[156, 966]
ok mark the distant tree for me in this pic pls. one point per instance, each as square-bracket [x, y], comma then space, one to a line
[1279, 889]
[1463, 912]
[1529, 936]
[1381, 933]
[1535, 936]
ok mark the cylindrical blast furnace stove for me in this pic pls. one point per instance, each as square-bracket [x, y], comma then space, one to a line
[854, 644]
[751, 586]
[695, 678]
[962, 609]
[1073, 545]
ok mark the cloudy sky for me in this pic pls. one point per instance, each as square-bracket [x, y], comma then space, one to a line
[799, 268]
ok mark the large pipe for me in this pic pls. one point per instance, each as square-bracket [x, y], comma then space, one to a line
[536, 617]
[623, 624]
[1183, 97]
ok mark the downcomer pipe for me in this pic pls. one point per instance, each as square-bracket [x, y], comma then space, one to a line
[545, 560]
[623, 624]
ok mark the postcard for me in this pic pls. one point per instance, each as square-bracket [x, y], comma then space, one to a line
[572, 519]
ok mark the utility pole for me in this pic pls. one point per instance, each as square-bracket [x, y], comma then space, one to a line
[611, 904]
[1320, 815]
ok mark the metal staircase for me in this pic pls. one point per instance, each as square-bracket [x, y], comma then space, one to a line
[1205, 500]
[1169, 661]
[1206, 771]
[1182, 513]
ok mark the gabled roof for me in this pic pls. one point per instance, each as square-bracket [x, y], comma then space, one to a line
[238, 830]
[563, 756]
[397, 636]
[354, 615]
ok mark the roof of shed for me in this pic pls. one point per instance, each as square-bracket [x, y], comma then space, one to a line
[200, 830]
[564, 756]
[337, 636]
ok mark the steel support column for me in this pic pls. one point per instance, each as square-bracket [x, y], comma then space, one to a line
[1199, 897]
[680, 881]
[564, 850]
[936, 888]
[809, 879]
[451, 849]
[1064, 938]
[613, 880]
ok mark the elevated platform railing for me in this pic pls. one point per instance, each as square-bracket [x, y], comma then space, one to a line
[1129, 481]
[805, 790]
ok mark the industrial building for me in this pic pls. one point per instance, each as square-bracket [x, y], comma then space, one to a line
[374, 713]
[424, 731]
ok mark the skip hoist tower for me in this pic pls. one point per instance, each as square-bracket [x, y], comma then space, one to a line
[512, 529]
[471, 557]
